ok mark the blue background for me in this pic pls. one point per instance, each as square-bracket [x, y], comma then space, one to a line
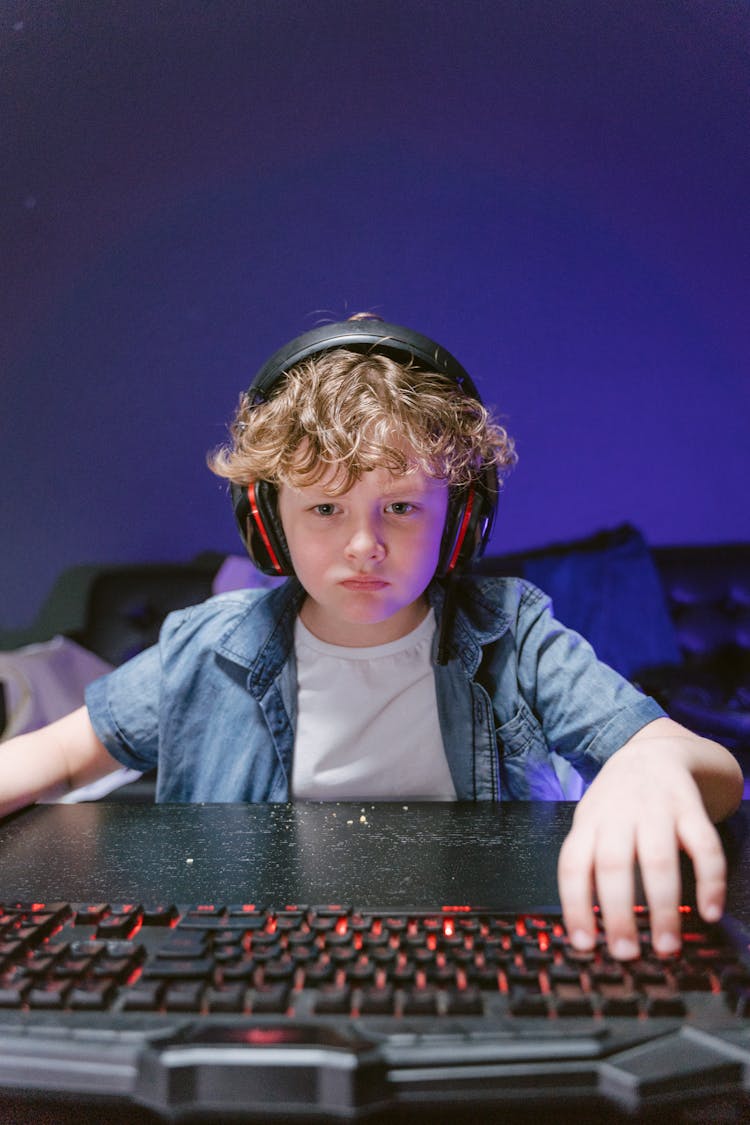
[556, 191]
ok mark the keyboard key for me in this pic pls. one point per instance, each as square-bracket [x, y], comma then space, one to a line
[381, 955]
[229, 998]
[607, 974]
[117, 969]
[573, 1003]
[119, 926]
[565, 974]
[663, 1002]
[263, 953]
[360, 971]
[180, 969]
[39, 964]
[333, 1000]
[619, 999]
[183, 997]
[523, 1003]
[283, 969]
[73, 967]
[522, 977]
[421, 1002]
[403, 974]
[485, 978]
[143, 996]
[466, 1002]
[205, 923]
[243, 921]
[644, 973]
[377, 1001]
[243, 970]
[270, 998]
[128, 949]
[12, 995]
[87, 948]
[95, 996]
[181, 945]
[319, 973]
[690, 980]
[52, 994]
[159, 914]
[88, 914]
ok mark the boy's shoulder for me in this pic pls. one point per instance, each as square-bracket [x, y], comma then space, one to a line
[490, 597]
[236, 622]
[487, 607]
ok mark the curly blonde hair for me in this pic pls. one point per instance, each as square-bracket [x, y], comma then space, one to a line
[356, 412]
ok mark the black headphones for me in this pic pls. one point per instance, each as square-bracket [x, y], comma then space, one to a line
[471, 508]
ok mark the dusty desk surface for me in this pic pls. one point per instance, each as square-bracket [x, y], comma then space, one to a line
[388, 854]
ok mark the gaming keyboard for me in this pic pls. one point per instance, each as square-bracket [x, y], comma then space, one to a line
[343, 1013]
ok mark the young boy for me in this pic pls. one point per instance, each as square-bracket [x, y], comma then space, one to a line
[364, 466]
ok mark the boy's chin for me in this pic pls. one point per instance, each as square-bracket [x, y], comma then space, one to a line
[364, 625]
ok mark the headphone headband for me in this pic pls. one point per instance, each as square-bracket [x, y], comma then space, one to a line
[364, 335]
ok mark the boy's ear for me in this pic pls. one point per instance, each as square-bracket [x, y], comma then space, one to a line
[257, 513]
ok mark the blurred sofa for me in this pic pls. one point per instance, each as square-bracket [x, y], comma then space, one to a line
[94, 618]
[675, 620]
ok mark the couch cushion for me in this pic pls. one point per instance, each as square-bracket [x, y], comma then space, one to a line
[607, 588]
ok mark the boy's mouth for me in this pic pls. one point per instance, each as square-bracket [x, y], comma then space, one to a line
[364, 582]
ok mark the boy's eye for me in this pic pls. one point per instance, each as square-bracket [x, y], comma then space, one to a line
[324, 509]
[400, 508]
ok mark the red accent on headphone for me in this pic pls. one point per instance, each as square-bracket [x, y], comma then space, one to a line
[461, 531]
[261, 527]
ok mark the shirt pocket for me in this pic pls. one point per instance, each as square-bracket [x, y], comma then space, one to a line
[526, 768]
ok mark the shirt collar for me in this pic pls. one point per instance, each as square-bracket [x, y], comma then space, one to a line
[481, 616]
[261, 639]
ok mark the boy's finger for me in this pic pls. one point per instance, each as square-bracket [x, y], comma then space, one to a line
[701, 841]
[659, 861]
[575, 884]
[615, 889]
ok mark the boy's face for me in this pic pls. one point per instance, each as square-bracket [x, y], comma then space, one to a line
[366, 557]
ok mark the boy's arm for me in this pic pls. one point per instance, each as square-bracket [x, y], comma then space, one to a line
[657, 794]
[48, 763]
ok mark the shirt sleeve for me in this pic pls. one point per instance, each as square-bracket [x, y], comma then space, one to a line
[587, 709]
[124, 710]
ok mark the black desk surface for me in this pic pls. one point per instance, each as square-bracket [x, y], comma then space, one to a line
[374, 855]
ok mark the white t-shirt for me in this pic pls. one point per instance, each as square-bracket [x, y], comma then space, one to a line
[367, 721]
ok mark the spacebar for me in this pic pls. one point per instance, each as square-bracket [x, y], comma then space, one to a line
[402, 1046]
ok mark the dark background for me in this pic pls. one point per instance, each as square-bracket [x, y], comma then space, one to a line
[557, 191]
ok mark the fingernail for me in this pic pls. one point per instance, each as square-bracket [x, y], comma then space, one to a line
[666, 943]
[582, 940]
[712, 912]
[624, 949]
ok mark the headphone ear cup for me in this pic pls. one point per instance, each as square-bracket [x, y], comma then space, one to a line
[468, 524]
[257, 514]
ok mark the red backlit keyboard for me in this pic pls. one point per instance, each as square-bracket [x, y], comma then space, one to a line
[348, 1011]
[299, 960]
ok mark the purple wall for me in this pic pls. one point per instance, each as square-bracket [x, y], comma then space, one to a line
[557, 192]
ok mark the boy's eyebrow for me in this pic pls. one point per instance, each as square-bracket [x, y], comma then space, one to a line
[408, 483]
[400, 488]
[403, 493]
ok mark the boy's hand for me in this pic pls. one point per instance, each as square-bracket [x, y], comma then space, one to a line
[645, 805]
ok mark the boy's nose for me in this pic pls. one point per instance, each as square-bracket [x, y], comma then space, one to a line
[365, 544]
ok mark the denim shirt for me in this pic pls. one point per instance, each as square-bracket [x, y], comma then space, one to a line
[213, 704]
